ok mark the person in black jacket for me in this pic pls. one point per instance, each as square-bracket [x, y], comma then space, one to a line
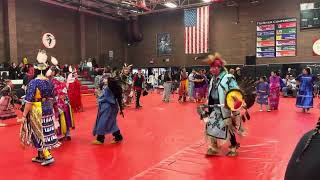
[13, 71]
[305, 161]
[138, 86]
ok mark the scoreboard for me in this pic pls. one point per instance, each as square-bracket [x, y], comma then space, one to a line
[310, 15]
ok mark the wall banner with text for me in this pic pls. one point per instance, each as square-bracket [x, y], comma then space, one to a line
[277, 38]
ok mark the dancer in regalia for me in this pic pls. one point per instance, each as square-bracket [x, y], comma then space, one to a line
[38, 117]
[6, 106]
[263, 93]
[138, 86]
[109, 106]
[305, 93]
[275, 86]
[62, 107]
[183, 85]
[127, 83]
[223, 119]
[74, 86]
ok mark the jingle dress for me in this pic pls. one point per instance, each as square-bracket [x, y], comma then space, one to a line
[38, 129]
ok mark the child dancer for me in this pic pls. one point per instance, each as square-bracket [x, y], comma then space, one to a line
[6, 106]
[110, 102]
[263, 93]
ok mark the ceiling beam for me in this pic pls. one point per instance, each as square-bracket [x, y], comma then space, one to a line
[173, 9]
[80, 10]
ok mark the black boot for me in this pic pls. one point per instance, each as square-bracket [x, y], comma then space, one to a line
[117, 137]
[99, 140]
[39, 158]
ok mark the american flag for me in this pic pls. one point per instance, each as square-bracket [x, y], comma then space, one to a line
[196, 22]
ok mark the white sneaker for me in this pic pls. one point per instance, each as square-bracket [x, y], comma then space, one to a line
[260, 110]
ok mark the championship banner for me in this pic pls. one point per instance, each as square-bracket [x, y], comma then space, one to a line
[286, 48]
[265, 43]
[286, 36]
[287, 31]
[265, 33]
[265, 49]
[287, 25]
[267, 27]
[286, 43]
[277, 38]
[265, 54]
[286, 53]
[266, 38]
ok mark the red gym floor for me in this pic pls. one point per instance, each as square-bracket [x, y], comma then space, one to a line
[162, 142]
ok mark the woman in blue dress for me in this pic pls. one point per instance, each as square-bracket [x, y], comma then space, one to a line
[305, 93]
[109, 106]
[38, 118]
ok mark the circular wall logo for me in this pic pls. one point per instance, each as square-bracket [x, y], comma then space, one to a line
[316, 47]
[48, 40]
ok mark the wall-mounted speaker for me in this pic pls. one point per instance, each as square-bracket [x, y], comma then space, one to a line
[251, 60]
[133, 31]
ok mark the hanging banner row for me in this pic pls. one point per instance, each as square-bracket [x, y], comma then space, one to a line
[277, 38]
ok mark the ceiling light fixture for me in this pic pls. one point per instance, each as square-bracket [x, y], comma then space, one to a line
[206, 1]
[254, 1]
[170, 4]
[231, 3]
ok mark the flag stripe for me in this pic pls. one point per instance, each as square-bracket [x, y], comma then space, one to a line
[186, 40]
[206, 29]
[201, 31]
[196, 30]
[190, 40]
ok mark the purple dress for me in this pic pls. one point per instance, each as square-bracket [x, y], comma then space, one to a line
[262, 92]
[274, 92]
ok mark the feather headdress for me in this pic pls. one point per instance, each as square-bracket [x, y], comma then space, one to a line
[127, 65]
[42, 60]
[215, 60]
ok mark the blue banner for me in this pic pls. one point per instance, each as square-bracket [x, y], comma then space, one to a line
[286, 36]
[265, 49]
[265, 54]
[265, 33]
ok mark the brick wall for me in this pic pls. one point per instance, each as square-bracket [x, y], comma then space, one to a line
[233, 41]
[112, 39]
[91, 29]
[35, 18]
[172, 22]
[102, 36]
[2, 40]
